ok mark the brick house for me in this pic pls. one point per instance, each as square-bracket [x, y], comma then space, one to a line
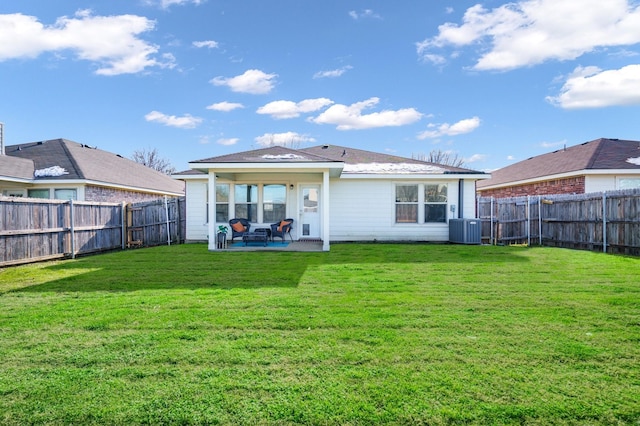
[62, 169]
[595, 166]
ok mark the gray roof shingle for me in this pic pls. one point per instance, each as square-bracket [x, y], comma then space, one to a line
[83, 162]
[323, 153]
[599, 154]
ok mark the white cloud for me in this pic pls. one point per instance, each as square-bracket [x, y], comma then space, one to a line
[228, 141]
[111, 42]
[475, 157]
[530, 32]
[461, 127]
[185, 122]
[283, 139]
[225, 106]
[210, 44]
[366, 13]
[332, 73]
[165, 4]
[289, 109]
[350, 117]
[553, 144]
[254, 82]
[591, 87]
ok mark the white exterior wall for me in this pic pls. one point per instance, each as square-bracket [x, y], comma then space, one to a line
[360, 209]
[196, 191]
[469, 200]
[364, 210]
[602, 183]
[599, 183]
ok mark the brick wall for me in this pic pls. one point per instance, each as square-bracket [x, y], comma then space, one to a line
[573, 185]
[112, 195]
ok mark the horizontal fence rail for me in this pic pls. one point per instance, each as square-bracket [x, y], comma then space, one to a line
[34, 229]
[604, 221]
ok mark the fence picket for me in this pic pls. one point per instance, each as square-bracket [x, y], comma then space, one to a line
[608, 222]
[35, 229]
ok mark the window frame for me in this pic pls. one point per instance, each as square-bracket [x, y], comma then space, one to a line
[422, 218]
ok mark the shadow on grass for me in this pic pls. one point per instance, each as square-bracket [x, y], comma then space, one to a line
[193, 267]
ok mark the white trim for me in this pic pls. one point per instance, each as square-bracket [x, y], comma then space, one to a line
[324, 218]
[211, 225]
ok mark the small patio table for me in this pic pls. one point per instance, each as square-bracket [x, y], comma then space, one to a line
[258, 236]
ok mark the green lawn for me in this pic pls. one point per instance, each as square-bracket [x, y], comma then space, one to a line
[365, 334]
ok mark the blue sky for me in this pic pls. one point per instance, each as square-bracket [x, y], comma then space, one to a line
[493, 82]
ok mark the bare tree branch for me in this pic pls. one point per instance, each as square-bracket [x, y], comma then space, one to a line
[438, 156]
[151, 158]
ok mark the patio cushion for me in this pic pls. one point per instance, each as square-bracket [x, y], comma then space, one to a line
[238, 227]
[282, 224]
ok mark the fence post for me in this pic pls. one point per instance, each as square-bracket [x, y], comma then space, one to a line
[166, 212]
[123, 224]
[491, 221]
[528, 220]
[540, 220]
[604, 221]
[72, 230]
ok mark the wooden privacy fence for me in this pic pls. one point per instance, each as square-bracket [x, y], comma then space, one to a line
[33, 229]
[605, 221]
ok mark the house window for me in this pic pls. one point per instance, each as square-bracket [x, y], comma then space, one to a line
[246, 201]
[222, 202]
[14, 193]
[38, 193]
[65, 194]
[406, 203]
[435, 203]
[274, 205]
[629, 183]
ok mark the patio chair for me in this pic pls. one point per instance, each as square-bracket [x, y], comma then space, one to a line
[281, 228]
[238, 227]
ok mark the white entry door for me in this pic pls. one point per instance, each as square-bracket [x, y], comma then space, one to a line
[310, 211]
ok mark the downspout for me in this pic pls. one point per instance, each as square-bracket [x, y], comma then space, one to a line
[460, 197]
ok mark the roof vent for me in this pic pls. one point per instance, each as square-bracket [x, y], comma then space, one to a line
[344, 152]
[325, 146]
[41, 143]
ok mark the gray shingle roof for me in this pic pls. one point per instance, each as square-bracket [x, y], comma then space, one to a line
[82, 162]
[599, 154]
[273, 154]
[16, 168]
[324, 153]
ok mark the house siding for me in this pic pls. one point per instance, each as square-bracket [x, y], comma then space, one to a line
[572, 185]
[112, 195]
[364, 210]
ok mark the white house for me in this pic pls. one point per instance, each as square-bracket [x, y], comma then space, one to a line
[333, 193]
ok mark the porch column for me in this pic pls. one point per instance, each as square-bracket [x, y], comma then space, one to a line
[211, 219]
[325, 210]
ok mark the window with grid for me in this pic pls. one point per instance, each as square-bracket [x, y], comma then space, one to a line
[246, 201]
[274, 207]
[222, 202]
[406, 203]
[435, 203]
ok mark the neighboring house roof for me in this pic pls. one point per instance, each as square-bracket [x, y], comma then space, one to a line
[61, 159]
[597, 155]
[19, 169]
[350, 161]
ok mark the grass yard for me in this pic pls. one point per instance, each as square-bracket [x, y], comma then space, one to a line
[365, 334]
